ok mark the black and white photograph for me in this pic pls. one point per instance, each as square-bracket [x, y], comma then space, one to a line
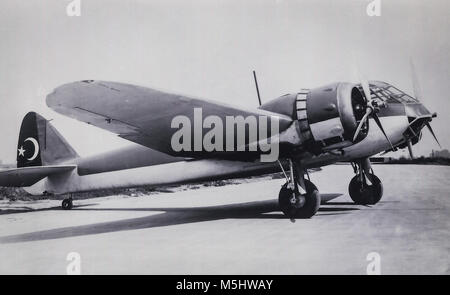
[225, 138]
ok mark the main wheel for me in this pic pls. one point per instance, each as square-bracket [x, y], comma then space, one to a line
[363, 193]
[305, 206]
[67, 204]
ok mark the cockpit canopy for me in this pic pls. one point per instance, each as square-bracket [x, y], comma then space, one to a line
[389, 93]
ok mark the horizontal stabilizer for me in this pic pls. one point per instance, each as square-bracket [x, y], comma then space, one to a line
[28, 176]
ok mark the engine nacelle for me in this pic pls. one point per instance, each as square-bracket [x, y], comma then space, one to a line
[332, 112]
[327, 116]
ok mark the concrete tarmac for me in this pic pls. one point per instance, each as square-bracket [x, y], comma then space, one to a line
[237, 229]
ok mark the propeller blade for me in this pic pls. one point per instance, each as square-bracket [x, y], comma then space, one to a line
[377, 120]
[366, 166]
[415, 81]
[411, 155]
[364, 84]
[361, 123]
[432, 133]
[366, 88]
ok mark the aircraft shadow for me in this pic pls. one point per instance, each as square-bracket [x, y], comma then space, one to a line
[169, 216]
[25, 209]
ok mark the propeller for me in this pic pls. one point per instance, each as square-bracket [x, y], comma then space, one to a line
[415, 81]
[432, 133]
[372, 108]
[418, 95]
[411, 155]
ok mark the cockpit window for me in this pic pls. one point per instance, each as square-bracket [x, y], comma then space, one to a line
[389, 93]
[400, 95]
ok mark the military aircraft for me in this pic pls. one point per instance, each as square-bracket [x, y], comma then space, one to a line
[315, 127]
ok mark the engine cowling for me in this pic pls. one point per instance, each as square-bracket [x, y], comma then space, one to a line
[332, 112]
[327, 116]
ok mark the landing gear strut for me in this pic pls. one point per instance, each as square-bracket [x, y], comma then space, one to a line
[365, 188]
[67, 203]
[298, 197]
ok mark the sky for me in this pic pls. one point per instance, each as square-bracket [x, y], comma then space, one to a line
[208, 49]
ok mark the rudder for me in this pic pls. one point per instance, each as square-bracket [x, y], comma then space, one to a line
[40, 144]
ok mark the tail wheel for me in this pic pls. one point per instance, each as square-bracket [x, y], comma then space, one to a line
[67, 204]
[301, 206]
[363, 193]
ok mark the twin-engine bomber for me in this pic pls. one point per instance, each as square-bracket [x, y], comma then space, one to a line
[314, 127]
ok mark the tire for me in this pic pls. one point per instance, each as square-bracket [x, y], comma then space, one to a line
[309, 208]
[67, 204]
[363, 193]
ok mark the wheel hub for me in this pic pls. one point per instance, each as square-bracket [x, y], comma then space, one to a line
[297, 200]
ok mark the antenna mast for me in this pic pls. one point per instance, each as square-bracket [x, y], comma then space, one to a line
[257, 88]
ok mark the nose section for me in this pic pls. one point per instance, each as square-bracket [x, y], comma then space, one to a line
[418, 117]
[417, 110]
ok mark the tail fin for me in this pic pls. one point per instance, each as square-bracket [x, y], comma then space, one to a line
[40, 144]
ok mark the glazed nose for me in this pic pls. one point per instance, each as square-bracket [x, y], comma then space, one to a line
[417, 110]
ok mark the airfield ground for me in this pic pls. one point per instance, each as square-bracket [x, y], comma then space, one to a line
[237, 229]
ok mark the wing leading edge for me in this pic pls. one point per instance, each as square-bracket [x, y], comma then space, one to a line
[141, 115]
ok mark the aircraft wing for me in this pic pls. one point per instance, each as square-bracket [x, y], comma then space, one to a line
[27, 176]
[141, 115]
